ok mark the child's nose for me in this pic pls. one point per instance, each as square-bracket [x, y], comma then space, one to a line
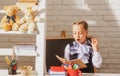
[78, 35]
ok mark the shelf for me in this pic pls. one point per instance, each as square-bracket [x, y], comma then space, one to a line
[4, 72]
[26, 4]
[9, 52]
[40, 36]
[6, 52]
[14, 32]
[52, 38]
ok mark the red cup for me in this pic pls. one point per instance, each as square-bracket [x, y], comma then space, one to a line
[74, 72]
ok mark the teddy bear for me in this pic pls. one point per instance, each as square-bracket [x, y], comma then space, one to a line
[28, 21]
[9, 21]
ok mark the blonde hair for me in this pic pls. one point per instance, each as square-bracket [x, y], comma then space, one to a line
[82, 22]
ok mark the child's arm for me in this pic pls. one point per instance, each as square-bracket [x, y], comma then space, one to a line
[97, 58]
[94, 44]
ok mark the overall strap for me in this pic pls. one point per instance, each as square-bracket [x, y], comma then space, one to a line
[90, 68]
[71, 44]
[89, 42]
[75, 55]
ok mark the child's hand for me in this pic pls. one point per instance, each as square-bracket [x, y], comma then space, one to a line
[94, 44]
[64, 61]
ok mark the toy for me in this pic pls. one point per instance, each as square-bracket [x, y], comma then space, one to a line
[28, 22]
[9, 21]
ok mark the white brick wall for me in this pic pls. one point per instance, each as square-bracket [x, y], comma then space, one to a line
[9, 40]
[103, 17]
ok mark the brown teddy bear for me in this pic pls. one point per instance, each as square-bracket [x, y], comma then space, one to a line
[9, 21]
[28, 22]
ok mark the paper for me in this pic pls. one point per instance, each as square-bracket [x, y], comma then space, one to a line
[74, 61]
[25, 49]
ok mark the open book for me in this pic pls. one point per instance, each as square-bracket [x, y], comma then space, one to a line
[74, 61]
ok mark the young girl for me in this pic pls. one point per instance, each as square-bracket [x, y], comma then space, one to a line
[83, 48]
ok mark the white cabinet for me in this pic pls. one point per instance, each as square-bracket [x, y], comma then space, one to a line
[40, 39]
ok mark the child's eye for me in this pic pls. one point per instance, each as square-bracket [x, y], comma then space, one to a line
[80, 33]
[74, 33]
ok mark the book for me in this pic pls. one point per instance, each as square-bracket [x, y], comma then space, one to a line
[25, 49]
[74, 61]
[57, 71]
[57, 68]
[58, 75]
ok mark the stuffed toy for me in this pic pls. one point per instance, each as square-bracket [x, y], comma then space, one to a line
[28, 21]
[9, 21]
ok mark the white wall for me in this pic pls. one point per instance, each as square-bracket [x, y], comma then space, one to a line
[103, 17]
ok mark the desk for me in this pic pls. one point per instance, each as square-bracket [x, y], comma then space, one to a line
[5, 73]
[98, 74]
[34, 73]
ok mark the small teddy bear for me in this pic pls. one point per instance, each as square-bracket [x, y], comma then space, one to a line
[28, 22]
[9, 21]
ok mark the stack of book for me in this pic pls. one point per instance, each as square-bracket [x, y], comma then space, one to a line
[27, 3]
[25, 49]
[57, 71]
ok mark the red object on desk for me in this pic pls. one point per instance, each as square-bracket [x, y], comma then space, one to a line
[57, 68]
[74, 72]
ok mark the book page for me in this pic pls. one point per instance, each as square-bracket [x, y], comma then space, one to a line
[79, 62]
[74, 61]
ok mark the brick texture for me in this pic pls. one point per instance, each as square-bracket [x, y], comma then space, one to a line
[104, 24]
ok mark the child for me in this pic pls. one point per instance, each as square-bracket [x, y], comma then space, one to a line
[83, 48]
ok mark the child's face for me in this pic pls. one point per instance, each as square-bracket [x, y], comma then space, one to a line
[79, 33]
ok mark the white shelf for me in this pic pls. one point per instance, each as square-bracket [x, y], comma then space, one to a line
[14, 32]
[57, 37]
[6, 52]
[9, 52]
[5, 73]
[40, 40]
